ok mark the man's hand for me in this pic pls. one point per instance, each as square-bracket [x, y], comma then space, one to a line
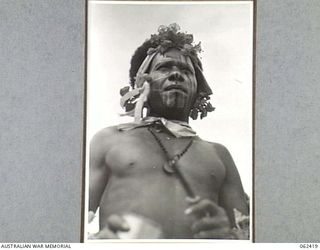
[115, 223]
[211, 221]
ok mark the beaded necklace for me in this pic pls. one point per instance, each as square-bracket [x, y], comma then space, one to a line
[170, 166]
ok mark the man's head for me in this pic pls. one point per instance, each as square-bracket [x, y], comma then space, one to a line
[178, 85]
[173, 87]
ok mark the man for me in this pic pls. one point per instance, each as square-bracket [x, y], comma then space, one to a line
[156, 169]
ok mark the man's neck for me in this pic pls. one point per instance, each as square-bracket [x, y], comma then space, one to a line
[169, 116]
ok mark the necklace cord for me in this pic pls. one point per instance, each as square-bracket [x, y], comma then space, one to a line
[164, 148]
[177, 170]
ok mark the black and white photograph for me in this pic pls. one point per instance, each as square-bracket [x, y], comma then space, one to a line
[169, 124]
[159, 124]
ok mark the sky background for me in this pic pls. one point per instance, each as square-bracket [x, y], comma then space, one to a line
[225, 30]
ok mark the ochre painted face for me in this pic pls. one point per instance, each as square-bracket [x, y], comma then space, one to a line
[174, 85]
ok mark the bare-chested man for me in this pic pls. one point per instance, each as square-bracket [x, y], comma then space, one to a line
[157, 167]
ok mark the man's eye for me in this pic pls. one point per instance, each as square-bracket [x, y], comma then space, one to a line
[187, 71]
[163, 68]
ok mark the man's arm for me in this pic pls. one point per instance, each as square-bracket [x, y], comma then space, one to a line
[231, 193]
[98, 178]
[98, 172]
[216, 220]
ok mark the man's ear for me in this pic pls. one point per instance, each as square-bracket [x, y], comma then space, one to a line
[202, 84]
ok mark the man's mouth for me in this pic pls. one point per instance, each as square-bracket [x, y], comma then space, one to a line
[176, 87]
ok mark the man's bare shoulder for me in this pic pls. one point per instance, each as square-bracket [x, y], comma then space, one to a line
[104, 137]
[224, 155]
[106, 132]
[218, 147]
[221, 151]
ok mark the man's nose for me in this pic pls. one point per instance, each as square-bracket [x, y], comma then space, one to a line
[176, 76]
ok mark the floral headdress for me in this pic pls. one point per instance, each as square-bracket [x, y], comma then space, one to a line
[170, 37]
[167, 37]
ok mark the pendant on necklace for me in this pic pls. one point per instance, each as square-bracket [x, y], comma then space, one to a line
[169, 166]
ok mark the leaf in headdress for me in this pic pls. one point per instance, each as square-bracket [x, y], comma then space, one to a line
[203, 101]
[184, 52]
[194, 114]
[162, 50]
[197, 47]
[174, 27]
[187, 46]
[166, 43]
[203, 114]
[202, 94]
[188, 38]
[162, 28]
[209, 107]
[124, 90]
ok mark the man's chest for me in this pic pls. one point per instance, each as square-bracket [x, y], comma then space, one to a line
[138, 152]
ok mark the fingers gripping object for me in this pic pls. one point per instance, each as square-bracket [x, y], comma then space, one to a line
[210, 221]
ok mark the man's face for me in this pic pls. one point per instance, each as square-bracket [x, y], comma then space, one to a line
[174, 84]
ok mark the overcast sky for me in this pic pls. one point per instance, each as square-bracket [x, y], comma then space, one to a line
[225, 30]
